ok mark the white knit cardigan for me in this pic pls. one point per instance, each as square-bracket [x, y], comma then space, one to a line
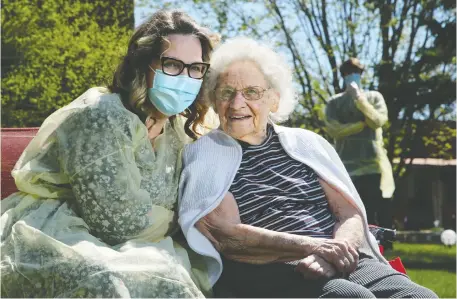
[210, 165]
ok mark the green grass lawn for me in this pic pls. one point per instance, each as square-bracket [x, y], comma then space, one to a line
[430, 265]
[441, 282]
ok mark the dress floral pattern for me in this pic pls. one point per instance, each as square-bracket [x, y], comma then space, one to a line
[95, 213]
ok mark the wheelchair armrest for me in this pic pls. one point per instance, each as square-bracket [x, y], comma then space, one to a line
[383, 234]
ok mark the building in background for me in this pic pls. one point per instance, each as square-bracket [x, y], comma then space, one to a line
[427, 191]
[426, 194]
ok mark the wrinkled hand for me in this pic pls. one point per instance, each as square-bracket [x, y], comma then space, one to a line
[313, 267]
[223, 217]
[227, 210]
[218, 225]
[341, 254]
[154, 127]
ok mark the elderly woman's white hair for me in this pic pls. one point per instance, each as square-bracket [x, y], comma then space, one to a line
[272, 65]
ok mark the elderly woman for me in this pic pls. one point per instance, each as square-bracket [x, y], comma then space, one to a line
[95, 215]
[276, 203]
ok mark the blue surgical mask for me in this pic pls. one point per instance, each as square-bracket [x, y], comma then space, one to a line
[352, 78]
[172, 95]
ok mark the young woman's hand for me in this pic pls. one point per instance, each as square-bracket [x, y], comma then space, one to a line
[155, 127]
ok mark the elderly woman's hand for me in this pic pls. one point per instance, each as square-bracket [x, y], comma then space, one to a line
[219, 225]
[250, 244]
[339, 253]
[313, 267]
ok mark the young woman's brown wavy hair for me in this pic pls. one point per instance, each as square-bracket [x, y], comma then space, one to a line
[145, 45]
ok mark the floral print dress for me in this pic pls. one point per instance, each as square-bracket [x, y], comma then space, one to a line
[95, 211]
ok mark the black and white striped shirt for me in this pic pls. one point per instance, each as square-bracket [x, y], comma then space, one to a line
[276, 192]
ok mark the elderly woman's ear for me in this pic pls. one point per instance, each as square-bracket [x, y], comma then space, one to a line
[277, 96]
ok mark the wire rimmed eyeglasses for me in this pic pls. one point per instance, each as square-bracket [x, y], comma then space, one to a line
[250, 93]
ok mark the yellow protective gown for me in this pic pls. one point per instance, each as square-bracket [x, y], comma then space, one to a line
[356, 127]
[95, 214]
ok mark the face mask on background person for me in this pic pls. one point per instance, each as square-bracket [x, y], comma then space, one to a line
[352, 78]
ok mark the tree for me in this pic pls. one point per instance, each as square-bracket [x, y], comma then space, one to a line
[407, 45]
[55, 50]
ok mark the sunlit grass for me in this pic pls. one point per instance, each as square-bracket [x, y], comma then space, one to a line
[441, 282]
[430, 265]
[433, 256]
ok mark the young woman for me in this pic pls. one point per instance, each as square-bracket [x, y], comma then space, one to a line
[95, 211]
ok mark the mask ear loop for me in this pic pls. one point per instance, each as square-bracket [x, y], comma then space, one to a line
[149, 118]
[150, 67]
[155, 73]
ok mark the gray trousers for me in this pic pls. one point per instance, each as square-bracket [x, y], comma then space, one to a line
[371, 279]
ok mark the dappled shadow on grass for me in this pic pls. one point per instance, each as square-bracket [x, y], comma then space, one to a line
[428, 256]
[416, 265]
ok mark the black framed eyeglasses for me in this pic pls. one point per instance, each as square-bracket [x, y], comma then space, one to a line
[174, 67]
[250, 93]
